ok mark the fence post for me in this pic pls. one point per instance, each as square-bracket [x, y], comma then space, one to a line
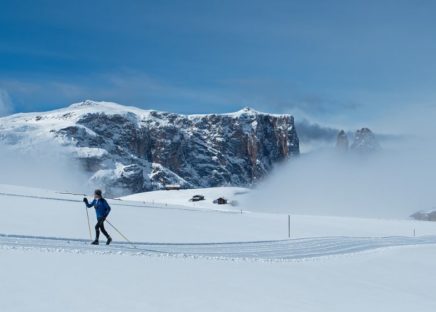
[289, 226]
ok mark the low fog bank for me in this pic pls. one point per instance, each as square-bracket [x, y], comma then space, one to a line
[395, 182]
[314, 136]
[44, 166]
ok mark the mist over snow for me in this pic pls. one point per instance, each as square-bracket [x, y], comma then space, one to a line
[5, 103]
[42, 166]
[394, 182]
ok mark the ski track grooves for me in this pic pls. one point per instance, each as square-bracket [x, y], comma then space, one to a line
[278, 250]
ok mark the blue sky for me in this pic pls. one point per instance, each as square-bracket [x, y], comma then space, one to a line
[340, 62]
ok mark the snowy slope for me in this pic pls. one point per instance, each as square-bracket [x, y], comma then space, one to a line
[234, 195]
[394, 280]
[188, 258]
[33, 212]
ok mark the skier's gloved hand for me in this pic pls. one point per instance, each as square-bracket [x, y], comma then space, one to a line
[85, 200]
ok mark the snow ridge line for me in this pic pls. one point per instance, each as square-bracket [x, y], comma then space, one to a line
[280, 250]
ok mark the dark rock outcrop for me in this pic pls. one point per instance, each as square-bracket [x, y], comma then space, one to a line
[365, 142]
[342, 143]
[424, 215]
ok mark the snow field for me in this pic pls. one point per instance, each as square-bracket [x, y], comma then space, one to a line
[330, 264]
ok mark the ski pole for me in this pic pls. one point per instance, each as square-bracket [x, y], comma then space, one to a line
[89, 224]
[120, 233]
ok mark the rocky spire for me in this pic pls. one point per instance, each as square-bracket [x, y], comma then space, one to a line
[365, 141]
[342, 141]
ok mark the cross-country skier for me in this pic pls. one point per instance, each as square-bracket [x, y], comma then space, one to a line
[102, 210]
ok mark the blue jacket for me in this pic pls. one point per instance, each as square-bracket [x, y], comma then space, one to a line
[101, 206]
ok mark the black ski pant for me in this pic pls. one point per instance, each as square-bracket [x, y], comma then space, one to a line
[100, 226]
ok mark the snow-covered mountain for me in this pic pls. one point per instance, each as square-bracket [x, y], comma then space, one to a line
[127, 149]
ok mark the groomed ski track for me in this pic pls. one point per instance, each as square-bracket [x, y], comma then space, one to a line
[279, 250]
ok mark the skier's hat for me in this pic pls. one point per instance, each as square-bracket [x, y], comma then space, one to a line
[97, 192]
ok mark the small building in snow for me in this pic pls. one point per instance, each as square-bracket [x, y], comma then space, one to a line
[197, 198]
[172, 187]
[220, 201]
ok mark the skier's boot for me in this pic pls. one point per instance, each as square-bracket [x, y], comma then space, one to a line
[94, 242]
[109, 240]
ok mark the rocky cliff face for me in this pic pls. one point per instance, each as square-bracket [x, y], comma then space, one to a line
[131, 150]
[364, 142]
[424, 215]
[342, 143]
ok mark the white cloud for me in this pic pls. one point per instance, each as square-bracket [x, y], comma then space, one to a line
[5, 103]
[396, 182]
